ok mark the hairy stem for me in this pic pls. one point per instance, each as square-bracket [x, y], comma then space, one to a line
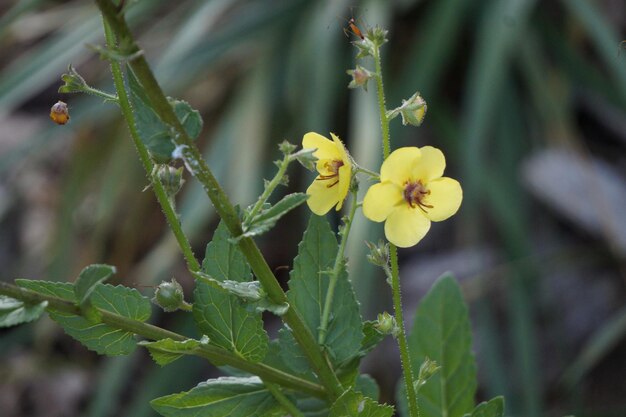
[335, 273]
[223, 206]
[271, 186]
[405, 357]
[162, 197]
[149, 331]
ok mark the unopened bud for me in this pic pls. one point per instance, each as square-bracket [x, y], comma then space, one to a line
[74, 83]
[360, 77]
[377, 35]
[287, 148]
[413, 110]
[386, 324]
[171, 178]
[169, 296]
[428, 368]
[379, 253]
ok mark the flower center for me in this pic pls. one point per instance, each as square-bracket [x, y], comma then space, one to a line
[415, 193]
[333, 168]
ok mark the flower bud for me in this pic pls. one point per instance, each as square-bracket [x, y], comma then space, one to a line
[360, 77]
[286, 147]
[169, 296]
[171, 178]
[379, 253]
[413, 110]
[386, 324]
[74, 83]
[428, 368]
[377, 35]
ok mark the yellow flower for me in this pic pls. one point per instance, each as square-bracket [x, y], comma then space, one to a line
[333, 164]
[411, 194]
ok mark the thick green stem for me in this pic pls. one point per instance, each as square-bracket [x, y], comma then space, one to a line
[161, 195]
[149, 331]
[335, 273]
[405, 357]
[198, 167]
[282, 399]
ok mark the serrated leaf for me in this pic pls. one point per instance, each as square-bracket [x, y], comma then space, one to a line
[441, 331]
[14, 312]
[223, 317]
[491, 408]
[221, 397]
[308, 287]
[100, 337]
[89, 278]
[63, 290]
[155, 134]
[354, 404]
[166, 351]
[268, 217]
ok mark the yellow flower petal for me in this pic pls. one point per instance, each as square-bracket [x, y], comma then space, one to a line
[397, 168]
[326, 149]
[342, 149]
[321, 198]
[344, 183]
[406, 226]
[380, 200]
[445, 197]
[430, 166]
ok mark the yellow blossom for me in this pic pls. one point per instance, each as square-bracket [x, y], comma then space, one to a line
[411, 194]
[333, 164]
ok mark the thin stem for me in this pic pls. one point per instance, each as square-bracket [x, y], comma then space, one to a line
[198, 167]
[405, 357]
[100, 93]
[146, 160]
[282, 399]
[149, 331]
[339, 260]
[372, 174]
[271, 186]
[384, 121]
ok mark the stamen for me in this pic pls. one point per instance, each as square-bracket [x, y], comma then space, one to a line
[414, 193]
[333, 167]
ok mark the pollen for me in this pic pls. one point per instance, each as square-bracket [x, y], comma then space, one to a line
[59, 113]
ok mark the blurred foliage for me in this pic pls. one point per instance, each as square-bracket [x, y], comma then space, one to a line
[504, 81]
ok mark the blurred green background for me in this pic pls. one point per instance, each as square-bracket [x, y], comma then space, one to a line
[526, 98]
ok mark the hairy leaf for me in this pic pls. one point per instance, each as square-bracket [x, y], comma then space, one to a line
[308, 287]
[441, 331]
[14, 312]
[101, 337]
[155, 134]
[63, 290]
[166, 351]
[221, 316]
[268, 217]
[221, 397]
[89, 278]
[354, 404]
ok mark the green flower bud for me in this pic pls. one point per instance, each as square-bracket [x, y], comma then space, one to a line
[413, 110]
[169, 296]
[74, 83]
[171, 178]
[386, 324]
[379, 253]
[287, 148]
[428, 368]
[377, 35]
[360, 77]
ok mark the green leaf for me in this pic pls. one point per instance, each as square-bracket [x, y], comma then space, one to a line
[63, 290]
[100, 337]
[14, 312]
[89, 278]
[166, 351]
[441, 331]
[491, 408]
[307, 291]
[354, 404]
[221, 316]
[268, 217]
[221, 397]
[155, 134]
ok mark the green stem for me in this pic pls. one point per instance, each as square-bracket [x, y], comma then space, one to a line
[384, 120]
[282, 399]
[339, 261]
[372, 174]
[198, 167]
[146, 160]
[100, 93]
[275, 182]
[149, 331]
[405, 357]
